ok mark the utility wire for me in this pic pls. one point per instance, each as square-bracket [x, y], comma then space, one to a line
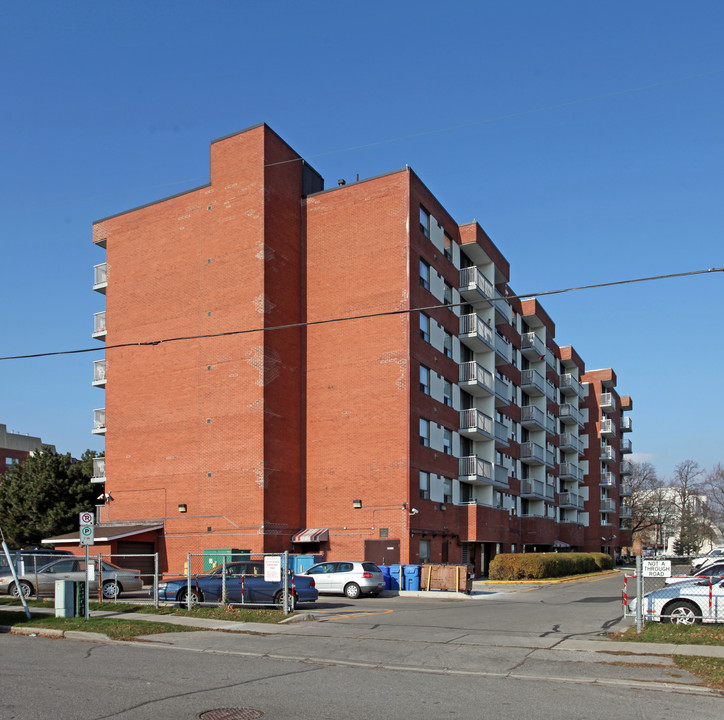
[360, 317]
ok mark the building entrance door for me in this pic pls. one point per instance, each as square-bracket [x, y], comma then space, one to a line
[383, 552]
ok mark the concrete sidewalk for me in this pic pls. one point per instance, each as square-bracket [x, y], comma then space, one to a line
[291, 626]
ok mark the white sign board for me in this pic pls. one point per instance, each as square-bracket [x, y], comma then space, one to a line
[657, 568]
[87, 535]
[273, 568]
[86, 518]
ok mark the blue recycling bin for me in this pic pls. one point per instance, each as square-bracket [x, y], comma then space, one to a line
[299, 564]
[411, 575]
[386, 574]
[397, 580]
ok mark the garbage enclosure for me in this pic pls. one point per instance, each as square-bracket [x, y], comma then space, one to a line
[443, 576]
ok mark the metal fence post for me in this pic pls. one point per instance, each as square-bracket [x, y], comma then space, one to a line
[188, 581]
[285, 573]
[223, 579]
[155, 580]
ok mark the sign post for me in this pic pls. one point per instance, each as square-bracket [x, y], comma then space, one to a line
[87, 537]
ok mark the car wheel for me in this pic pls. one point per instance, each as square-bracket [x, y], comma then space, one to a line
[351, 590]
[681, 612]
[196, 598]
[25, 587]
[279, 600]
[111, 590]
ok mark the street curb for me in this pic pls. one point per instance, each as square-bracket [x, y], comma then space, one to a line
[44, 632]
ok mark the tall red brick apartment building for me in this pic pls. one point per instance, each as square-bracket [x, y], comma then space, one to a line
[340, 371]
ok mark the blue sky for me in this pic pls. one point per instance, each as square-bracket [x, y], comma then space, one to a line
[586, 138]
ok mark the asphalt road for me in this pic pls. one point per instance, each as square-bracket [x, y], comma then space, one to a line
[523, 652]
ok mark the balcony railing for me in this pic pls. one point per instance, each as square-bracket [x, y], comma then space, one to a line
[501, 475]
[532, 488]
[532, 382]
[532, 347]
[625, 490]
[476, 379]
[570, 385]
[100, 277]
[624, 511]
[99, 325]
[626, 468]
[474, 286]
[99, 373]
[532, 454]
[626, 446]
[608, 402]
[502, 390]
[567, 499]
[569, 471]
[99, 470]
[569, 414]
[608, 454]
[608, 505]
[502, 433]
[608, 428]
[608, 479]
[99, 421]
[626, 425]
[474, 424]
[532, 418]
[475, 469]
[550, 424]
[503, 348]
[502, 307]
[476, 334]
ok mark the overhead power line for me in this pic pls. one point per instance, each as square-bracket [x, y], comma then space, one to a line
[358, 317]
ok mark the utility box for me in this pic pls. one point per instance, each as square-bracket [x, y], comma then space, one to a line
[79, 598]
[214, 557]
[64, 598]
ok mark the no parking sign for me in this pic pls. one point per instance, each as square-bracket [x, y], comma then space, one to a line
[87, 533]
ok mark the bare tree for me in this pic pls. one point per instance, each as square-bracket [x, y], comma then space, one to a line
[651, 506]
[688, 496]
[714, 489]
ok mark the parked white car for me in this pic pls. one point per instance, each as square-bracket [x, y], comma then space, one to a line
[714, 570]
[349, 578]
[713, 555]
[685, 603]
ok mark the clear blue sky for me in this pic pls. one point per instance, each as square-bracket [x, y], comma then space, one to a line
[587, 138]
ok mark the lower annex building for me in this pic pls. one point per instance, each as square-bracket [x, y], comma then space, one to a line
[270, 384]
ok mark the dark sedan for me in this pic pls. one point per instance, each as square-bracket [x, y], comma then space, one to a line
[244, 583]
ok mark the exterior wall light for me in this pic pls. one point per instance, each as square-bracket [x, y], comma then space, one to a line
[356, 504]
[182, 507]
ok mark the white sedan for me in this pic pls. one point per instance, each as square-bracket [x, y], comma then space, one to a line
[685, 603]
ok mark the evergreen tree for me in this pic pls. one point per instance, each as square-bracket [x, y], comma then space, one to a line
[43, 495]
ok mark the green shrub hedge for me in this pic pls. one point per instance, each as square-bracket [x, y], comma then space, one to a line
[534, 566]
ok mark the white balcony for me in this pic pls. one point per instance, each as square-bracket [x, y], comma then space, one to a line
[476, 334]
[569, 414]
[503, 349]
[502, 434]
[624, 511]
[99, 470]
[608, 454]
[608, 505]
[532, 347]
[476, 425]
[533, 383]
[569, 442]
[501, 475]
[100, 278]
[474, 286]
[626, 468]
[570, 386]
[626, 425]
[99, 325]
[533, 489]
[608, 428]
[532, 454]
[502, 391]
[99, 422]
[550, 424]
[570, 500]
[569, 471]
[608, 402]
[608, 479]
[99, 373]
[551, 359]
[473, 469]
[626, 446]
[532, 418]
[625, 490]
[476, 379]
[502, 308]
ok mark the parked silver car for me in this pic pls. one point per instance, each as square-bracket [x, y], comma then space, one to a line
[350, 578]
[114, 579]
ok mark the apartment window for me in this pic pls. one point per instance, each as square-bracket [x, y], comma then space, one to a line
[424, 275]
[424, 485]
[11, 461]
[448, 247]
[447, 490]
[425, 327]
[424, 551]
[448, 344]
[447, 441]
[424, 379]
[447, 293]
[424, 222]
[447, 393]
[424, 432]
